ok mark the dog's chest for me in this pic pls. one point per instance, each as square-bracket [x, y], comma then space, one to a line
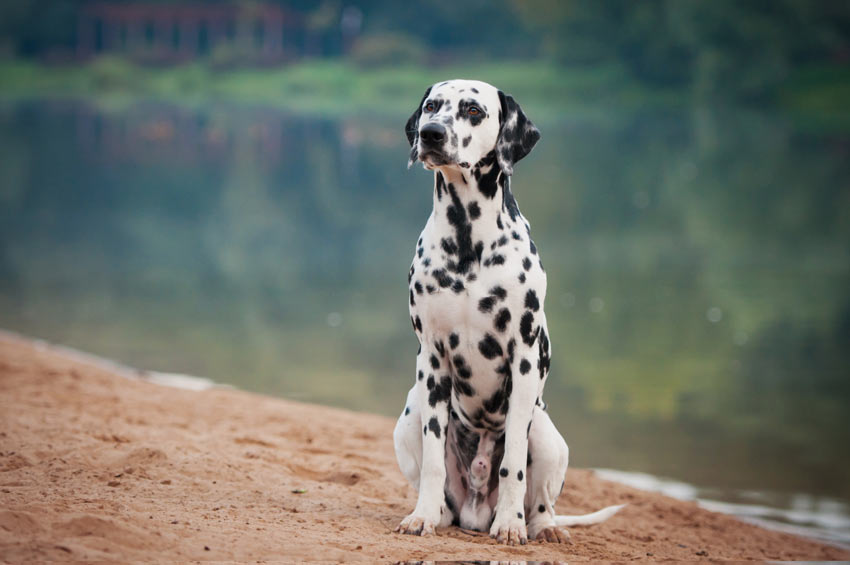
[470, 301]
[451, 292]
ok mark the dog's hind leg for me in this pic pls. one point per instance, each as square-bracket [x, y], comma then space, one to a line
[548, 457]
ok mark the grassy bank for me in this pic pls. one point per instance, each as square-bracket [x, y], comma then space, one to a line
[327, 86]
[337, 87]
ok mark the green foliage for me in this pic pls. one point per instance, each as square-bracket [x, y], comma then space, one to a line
[743, 50]
[388, 49]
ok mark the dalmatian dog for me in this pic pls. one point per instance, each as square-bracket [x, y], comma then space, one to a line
[474, 437]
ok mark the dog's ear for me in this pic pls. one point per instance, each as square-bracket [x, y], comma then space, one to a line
[411, 129]
[517, 135]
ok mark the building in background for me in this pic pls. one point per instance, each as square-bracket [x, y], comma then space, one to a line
[226, 33]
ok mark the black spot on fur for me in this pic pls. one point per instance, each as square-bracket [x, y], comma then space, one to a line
[504, 369]
[448, 246]
[545, 359]
[418, 286]
[485, 305]
[474, 210]
[508, 200]
[412, 301]
[466, 140]
[489, 347]
[457, 286]
[435, 363]
[406, 410]
[487, 182]
[434, 426]
[532, 247]
[531, 300]
[499, 292]
[502, 319]
[430, 289]
[454, 340]
[526, 263]
[541, 509]
[463, 387]
[495, 259]
[420, 251]
[479, 249]
[519, 514]
[421, 375]
[526, 328]
[461, 367]
[516, 236]
[521, 278]
[524, 367]
[443, 279]
[441, 391]
[519, 475]
[417, 323]
[457, 217]
[503, 472]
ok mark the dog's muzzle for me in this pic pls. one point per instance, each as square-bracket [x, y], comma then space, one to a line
[432, 138]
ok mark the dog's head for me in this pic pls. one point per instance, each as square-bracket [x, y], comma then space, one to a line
[459, 122]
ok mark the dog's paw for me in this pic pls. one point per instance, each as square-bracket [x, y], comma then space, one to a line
[553, 534]
[416, 525]
[509, 530]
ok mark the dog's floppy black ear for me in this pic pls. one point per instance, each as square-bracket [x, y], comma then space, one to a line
[411, 129]
[517, 135]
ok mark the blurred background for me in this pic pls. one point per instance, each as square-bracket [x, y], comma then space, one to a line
[220, 189]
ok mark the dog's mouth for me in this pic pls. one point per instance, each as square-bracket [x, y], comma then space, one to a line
[434, 158]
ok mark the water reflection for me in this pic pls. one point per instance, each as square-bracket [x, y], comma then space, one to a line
[698, 269]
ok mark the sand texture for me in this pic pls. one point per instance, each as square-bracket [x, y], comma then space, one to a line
[96, 466]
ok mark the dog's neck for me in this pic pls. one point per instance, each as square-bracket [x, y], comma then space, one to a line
[480, 192]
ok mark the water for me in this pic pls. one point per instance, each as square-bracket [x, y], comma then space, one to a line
[698, 261]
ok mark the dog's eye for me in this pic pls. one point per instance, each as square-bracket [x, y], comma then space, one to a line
[473, 111]
[429, 107]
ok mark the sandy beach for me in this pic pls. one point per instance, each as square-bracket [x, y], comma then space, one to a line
[97, 466]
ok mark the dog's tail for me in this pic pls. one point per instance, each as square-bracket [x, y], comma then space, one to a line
[587, 519]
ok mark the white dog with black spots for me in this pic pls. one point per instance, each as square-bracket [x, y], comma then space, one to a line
[474, 437]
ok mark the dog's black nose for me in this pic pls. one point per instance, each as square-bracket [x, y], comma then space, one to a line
[432, 134]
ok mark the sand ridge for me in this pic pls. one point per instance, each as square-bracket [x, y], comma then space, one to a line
[94, 465]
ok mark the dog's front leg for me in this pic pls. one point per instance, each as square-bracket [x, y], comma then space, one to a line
[509, 522]
[433, 394]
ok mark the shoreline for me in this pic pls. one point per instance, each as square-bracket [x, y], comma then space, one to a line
[94, 465]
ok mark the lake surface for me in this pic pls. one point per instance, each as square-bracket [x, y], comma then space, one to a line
[698, 263]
